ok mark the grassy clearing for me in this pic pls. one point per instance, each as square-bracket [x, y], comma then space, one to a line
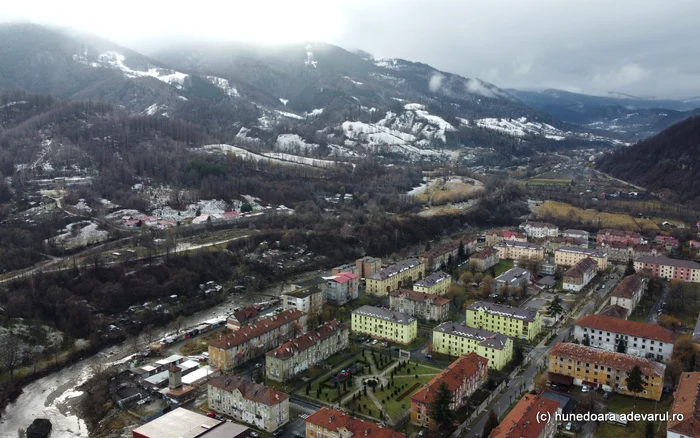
[193, 347]
[501, 267]
[454, 190]
[621, 404]
[564, 211]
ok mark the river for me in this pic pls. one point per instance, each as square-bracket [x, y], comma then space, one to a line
[49, 397]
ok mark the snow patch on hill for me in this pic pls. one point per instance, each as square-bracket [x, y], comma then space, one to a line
[116, 60]
[315, 113]
[272, 157]
[521, 127]
[352, 80]
[293, 143]
[290, 115]
[310, 57]
[153, 109]
[224, 85]
[284, 101]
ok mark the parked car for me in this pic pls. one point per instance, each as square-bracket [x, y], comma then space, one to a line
[254, 434]
[278, 432]
[429, 356]
[568, 426]
[374, 342]
[585, 388]
[211, 414]
[299, 435]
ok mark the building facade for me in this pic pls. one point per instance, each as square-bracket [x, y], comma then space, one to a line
[394, 277]
[463, 377]
[248, 402]
[537, 230]
[254, 340]
[551, 244]
[519, 250]
[308, 299]
[514, 277]
[384, 324]
[599, 368]
[424, 306]
[525, 419]
[511, 321]
[569, 256]
[629, 292]
[457, 339]
[579, 275]
[367, 266]
[484, 259]
[309, 349]
[629, 238]
[649, 341]
[332, 423]
[684, 420]
[576, 234]
[439, 256]
[670, 269]
[494, 237]
[435, 284]
[342, 287]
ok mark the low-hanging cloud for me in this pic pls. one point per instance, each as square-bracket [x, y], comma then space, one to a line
[435, 82]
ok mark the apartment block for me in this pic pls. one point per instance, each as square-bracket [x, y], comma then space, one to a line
[435, 284]
[629, 292]
[254, 340]
[342, 287]
[494, 237]
[618, 236]
[439, 256]
[248, 402]
[309, 349]
[484, 259]
[569, 256]
[514, 277]
[576, 234]
[670, 269]
[332, 423]
[394, 277]
[457, 339]
[463, 377]
[511, 321]
[579, 275]
[525, 419]
[424, 306]
[367, 266]
[649, 341]
[519, 250]
[599, 368]
[308, 299]
[538, 230]
[384, 324]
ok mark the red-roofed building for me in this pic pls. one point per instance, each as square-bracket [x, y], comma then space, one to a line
[297, 355]
[249, 402]
[484, 259]
[650, 341]
[500, 235]
[667, 241]
[629, 292]
[332, 423]
[230, 350]
[342, 287]
[579, 275]
[686, 403]
[440, 255]
[525, 419]
[463, 377]
[629, 238]
[670, 269]
[425, 306]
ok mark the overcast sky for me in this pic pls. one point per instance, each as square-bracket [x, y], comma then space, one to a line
[641, 47]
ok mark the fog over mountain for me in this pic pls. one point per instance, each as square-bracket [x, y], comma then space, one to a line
[594, 47]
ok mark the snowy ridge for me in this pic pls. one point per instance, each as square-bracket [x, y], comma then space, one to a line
[272, 157]
[521, 127]
[224, 85]
[116, 60]
[293, 143]
[154, 109]
[290, 115]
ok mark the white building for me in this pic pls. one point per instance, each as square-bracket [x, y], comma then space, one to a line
[629, 292]
[537, 230]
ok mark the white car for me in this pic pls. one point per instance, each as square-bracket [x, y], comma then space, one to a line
[585, 388]
[374, 342]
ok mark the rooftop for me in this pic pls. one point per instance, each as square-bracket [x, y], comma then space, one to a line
[615, 311]
[250, 390]
[619, 361]
[246, 333]
[334, 420]
[580, 268]
[485, 337]
[629, 286]
[619, 233]
[455, 374]
[180, 423]
[573, 231]
[441, 249]
[678, 263]
[514, 244]
[433, 279]
[386, 315]
[484, 253]
[304, 292]
[686, 403]
[246, 314]
[420, 296]
[512, 275]
[625, 327]
[342, 277]
[307, 340]
[394, 269]
[586, 251]
[524, 420]
[534, 224]
[526, 314]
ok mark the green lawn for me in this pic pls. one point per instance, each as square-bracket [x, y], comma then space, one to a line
[621, 404]
[501, 267]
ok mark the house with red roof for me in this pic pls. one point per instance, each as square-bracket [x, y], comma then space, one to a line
[332, 423]
[342, 287]
[684, 421]
[525, 419]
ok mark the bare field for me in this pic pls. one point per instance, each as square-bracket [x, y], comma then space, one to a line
[561, 210]
[453, 190]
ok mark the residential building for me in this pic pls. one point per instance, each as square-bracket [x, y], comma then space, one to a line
[511, 321]
[684, 421]
[514, 277]
[440, 256]
[525, 419]
[519, 250]
[384, 324]
[253, 403]
[254, 340]
[435, 284]
[629, 238]
[594, 367]
[576, 234]
[308, 299]
[332, 423]
[309, 349]
[670, 269]
[548, 267]
[615, 311]
[243, 317]
[367, 266]
[183, 423]
[538, 230]
[650, 341]
[629, 292]
[696, 331]
[457, 339]
[569, 256]
[394, 277]
[579, 275]
[342, 287]
[348, 267]
[463, 377]
[648, 250]
[667, 241]
[484, 259]
[494, 237]
[424, 306]
[551, 244]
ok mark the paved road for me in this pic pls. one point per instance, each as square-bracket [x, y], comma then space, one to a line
[657, 305]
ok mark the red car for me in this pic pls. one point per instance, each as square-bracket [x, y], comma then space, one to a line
[211, 414]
